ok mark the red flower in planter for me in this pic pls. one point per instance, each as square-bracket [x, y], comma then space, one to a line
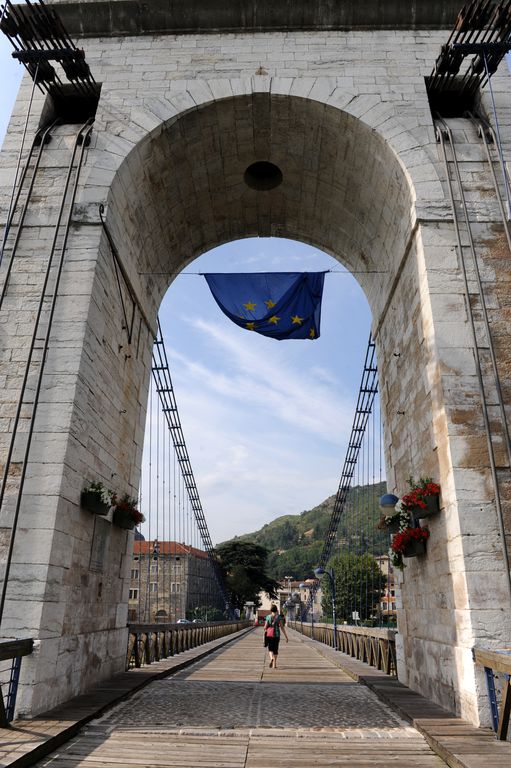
[403, 539]
[415, 499]
[401, 543]
[129, 505]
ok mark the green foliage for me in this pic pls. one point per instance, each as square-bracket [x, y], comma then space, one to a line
[243, 566]
[295, 542]
[205, 613]
[297, 562]
[359, 585]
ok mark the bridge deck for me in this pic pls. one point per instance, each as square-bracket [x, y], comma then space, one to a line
[229, 709]
[232, 710]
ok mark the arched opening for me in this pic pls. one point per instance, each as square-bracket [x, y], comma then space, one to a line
[266, 422]
[287, 167]
[265, 165]
[183, 190]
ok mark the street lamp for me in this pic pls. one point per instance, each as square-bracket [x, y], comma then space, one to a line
[288, 579]
[323, 572]
[296, 600]
[388, 501]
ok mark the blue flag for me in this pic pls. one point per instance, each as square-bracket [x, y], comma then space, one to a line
[281, 305]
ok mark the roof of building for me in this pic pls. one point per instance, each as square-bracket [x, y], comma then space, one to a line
[167, 548]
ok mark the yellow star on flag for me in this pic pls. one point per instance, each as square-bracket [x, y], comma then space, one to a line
[250, 306]
[250, 326]
[312, 333]
[270, 304]
[274, 319]
[297, 320]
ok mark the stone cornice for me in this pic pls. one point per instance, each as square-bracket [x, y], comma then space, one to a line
[100, 18]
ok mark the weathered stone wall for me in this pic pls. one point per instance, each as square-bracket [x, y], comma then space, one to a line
[345, 116]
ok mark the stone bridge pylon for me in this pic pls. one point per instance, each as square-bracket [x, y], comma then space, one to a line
[219, 121]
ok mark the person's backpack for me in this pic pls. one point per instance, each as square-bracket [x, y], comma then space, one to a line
[272, 629]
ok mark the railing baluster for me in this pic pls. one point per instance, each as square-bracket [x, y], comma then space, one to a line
[374, 646]
[153, 642]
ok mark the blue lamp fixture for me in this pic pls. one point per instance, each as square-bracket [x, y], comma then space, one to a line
[388, 501]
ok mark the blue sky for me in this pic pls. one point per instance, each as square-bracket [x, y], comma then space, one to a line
[266, 422]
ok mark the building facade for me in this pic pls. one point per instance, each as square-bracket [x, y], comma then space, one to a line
[170, 581]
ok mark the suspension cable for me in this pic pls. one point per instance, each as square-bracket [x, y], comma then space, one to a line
[165, 391]
[10, 212]
[81, 137]
[440, 131]
[367, 392]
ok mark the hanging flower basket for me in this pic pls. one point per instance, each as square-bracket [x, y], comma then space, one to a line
[126, 514]
[423, 499]
[432, 507]
[415, 548]
[123, 519]
[408, 543]
[97, 499]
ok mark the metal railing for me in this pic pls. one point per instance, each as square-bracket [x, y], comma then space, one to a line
[13, 651]
[497, 664]
[148, 643]
[375, 647]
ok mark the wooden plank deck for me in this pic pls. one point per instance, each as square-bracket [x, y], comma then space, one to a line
[459, 743]
[26, 741]
[134, 735]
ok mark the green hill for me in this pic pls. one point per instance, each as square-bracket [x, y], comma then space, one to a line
[295, 542]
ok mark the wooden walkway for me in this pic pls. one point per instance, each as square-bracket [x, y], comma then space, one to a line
[230, 710]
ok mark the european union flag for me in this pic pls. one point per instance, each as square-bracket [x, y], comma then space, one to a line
[281, 305]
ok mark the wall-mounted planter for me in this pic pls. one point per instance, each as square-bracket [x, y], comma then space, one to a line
[432, 507]
[92, 502]
[415, 549]
[123, 519]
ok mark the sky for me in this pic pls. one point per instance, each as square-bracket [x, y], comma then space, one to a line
[266, 422]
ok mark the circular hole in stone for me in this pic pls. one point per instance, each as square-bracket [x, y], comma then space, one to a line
[263, 175]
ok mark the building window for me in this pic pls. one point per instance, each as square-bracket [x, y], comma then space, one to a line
[153, 586]
[133, 594]
[175, 587]
[154, 568]
[134, 573]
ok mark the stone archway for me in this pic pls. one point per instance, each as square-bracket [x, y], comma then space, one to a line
[172, 175]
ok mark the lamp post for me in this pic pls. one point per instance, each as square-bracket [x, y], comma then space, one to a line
[323, 572]
[288, 580]
[310, 587]
[301, 586]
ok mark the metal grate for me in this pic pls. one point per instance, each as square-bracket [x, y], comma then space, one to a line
[478, 43]
[38, 38]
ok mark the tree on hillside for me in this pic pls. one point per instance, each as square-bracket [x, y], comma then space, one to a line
[295, 542]
[243, 566]
[359, 585]
[298, 562]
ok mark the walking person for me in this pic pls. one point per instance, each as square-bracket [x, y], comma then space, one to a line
[273, 626]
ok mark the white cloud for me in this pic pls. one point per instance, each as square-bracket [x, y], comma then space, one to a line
[260, 377]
